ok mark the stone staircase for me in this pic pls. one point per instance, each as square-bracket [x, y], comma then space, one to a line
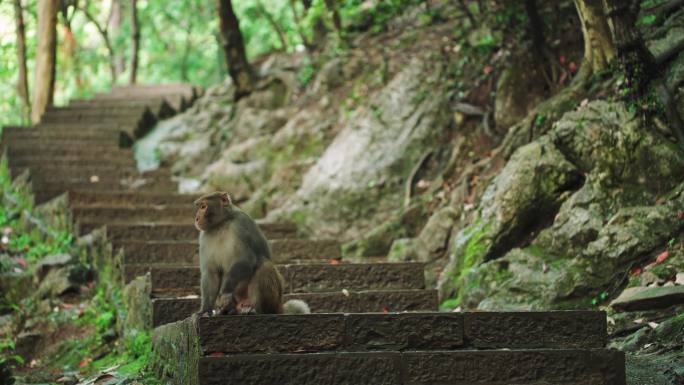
[376, 323]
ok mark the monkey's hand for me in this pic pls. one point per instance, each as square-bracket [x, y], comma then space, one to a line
[204, 313]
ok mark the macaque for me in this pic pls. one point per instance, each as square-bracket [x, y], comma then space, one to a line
[235, 262]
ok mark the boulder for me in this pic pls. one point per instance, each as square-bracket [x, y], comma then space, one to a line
[383, 143]
[646, 298]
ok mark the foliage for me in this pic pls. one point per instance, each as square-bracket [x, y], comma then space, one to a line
[20, 238]
[179, 41]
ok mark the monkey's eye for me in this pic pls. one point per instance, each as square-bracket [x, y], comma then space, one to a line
[203, 206]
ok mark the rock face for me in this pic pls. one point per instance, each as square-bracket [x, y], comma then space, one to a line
[592, 189]
[518, 90]
[383, 142]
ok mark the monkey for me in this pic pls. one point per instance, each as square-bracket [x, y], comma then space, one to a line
[235, 262]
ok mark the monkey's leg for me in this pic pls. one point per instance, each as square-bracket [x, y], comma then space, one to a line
[210, 282]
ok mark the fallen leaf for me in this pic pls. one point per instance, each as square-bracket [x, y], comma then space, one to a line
[423, 184]
[334, 261]
[611, 320]
[385, 310]
[680, 215]
[653, 325]
[562, 59]
[662, 257]
[217, 354]
[103, 378]
[636, 271]
[584, 103]
[488, 69]
[572, 67]
[639, 321]
[94, 179]
[21, 261]
[345, 292]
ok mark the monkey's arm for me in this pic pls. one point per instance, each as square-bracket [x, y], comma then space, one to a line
[210, 289]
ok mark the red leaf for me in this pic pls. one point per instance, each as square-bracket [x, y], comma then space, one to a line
[662, 257]
[334, 262]
[385, 310]
[21, 261]
[84, 362]
[572, 67]
[561, 59]
[636, 271]
[217, 354]
[488, 69]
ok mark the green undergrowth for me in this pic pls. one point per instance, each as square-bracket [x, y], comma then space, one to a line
[23, 233]
[102, 347]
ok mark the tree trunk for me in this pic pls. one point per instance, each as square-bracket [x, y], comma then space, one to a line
[281, 33]
[599, 50]
[234, 50]
[114, 28]
[135, 42]
[332, 7]
[635, 59]
[536, 26]
[44, 84]
[307, 4]
[22, 84]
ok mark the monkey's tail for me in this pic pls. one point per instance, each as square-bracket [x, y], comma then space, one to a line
[296, 306]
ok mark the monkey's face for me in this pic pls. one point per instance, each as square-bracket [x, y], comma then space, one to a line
[211, 211]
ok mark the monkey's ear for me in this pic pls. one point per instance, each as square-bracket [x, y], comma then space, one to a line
[225, 198]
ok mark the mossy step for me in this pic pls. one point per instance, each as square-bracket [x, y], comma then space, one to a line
[504, 367]
[186, 253]
[401, 332]
[181, 232]
[299, 278]
[166, 310]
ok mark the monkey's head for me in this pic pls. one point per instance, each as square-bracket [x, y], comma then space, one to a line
[212, 210]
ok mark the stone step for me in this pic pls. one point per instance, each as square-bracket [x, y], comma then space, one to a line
[28, 143]
[104, 112]
[177, 213]
[84, 198]
[135, 126]
[46, 190]
[304, 278]
[31, 134]
[87, 172]
[66, 160]
[401, 332]
[159, 106]
[166, 310]
[103, 181]
[90, 152]
[503, 367]
[182, 232]
[186, 253]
